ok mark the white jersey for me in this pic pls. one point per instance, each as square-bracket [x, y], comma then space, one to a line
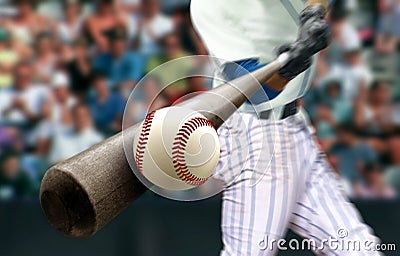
[275, 174]
[236, 30]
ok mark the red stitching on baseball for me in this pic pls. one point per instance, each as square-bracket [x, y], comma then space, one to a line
[142, 141]
[178, 154]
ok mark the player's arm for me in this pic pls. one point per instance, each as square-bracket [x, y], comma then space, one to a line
[324, 3]
[313, 37]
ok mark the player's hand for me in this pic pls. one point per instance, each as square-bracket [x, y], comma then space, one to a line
[314, 36]
[314, 31]
[299, 60]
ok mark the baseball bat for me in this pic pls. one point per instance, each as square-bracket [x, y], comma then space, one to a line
[82, 194]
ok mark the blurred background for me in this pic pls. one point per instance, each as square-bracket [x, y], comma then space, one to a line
[68, 67]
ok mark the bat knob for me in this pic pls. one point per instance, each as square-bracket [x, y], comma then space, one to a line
[67, 205]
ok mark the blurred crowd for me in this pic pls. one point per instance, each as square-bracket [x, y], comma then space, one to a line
[68, 67]
[354, 102]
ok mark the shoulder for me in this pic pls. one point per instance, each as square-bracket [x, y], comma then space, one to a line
[198, 8]
[131, 55]
[7, 91]
[102, 58]
[116, 97]
[163, 18]
[92, 136]
[162, 22]
[38, 89]
[366, 150]
[363, 73]
[42, 18]
[90, 20]
[202, 5]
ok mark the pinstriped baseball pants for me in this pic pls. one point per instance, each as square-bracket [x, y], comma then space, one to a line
[279, 179]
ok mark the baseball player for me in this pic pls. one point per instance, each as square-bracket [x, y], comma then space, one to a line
[295, 187]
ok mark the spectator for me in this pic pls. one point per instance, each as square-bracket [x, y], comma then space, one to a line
[14, 182]
[80, 69]
[332, 111]
[325, 124]
[130, 6]
[394, 148]
[67, 143]
[373, 185]
[63, 100]
[35, 161]
[376, 115]
[65, 54]
[46, 59]
[187, 34]
[56, 114]
[9, 139]
[154, 98]
[106, 107]
[146, 98]
[70, 27]
[20, 104]
[172, 49]
[354, 76]
[392, 178]
[123, 67]
[42, 133]
[196, 84]
[152, 26]
[106, 18]
[388, 31]
[344, 35]
[8, 59]
[351, 153]
[27, 24]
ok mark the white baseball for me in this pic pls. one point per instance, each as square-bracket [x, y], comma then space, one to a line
[177, 148]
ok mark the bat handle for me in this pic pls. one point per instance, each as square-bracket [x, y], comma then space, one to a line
[283, 59]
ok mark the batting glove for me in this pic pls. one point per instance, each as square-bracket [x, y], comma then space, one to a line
[314, 36]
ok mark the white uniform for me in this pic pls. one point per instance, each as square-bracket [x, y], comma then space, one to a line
[282, 179]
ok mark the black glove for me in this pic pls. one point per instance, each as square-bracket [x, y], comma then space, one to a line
[314, 30]
[314, 36]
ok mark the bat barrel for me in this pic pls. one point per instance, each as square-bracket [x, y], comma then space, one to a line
[82, 194]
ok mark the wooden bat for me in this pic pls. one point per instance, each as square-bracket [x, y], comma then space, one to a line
[82, 194]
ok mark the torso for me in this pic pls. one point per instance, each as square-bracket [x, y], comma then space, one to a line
[102, 24]
[238, 30]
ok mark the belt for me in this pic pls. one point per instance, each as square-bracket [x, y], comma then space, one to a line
[289, 109]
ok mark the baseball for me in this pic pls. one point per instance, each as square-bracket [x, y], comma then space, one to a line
[177, 148]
